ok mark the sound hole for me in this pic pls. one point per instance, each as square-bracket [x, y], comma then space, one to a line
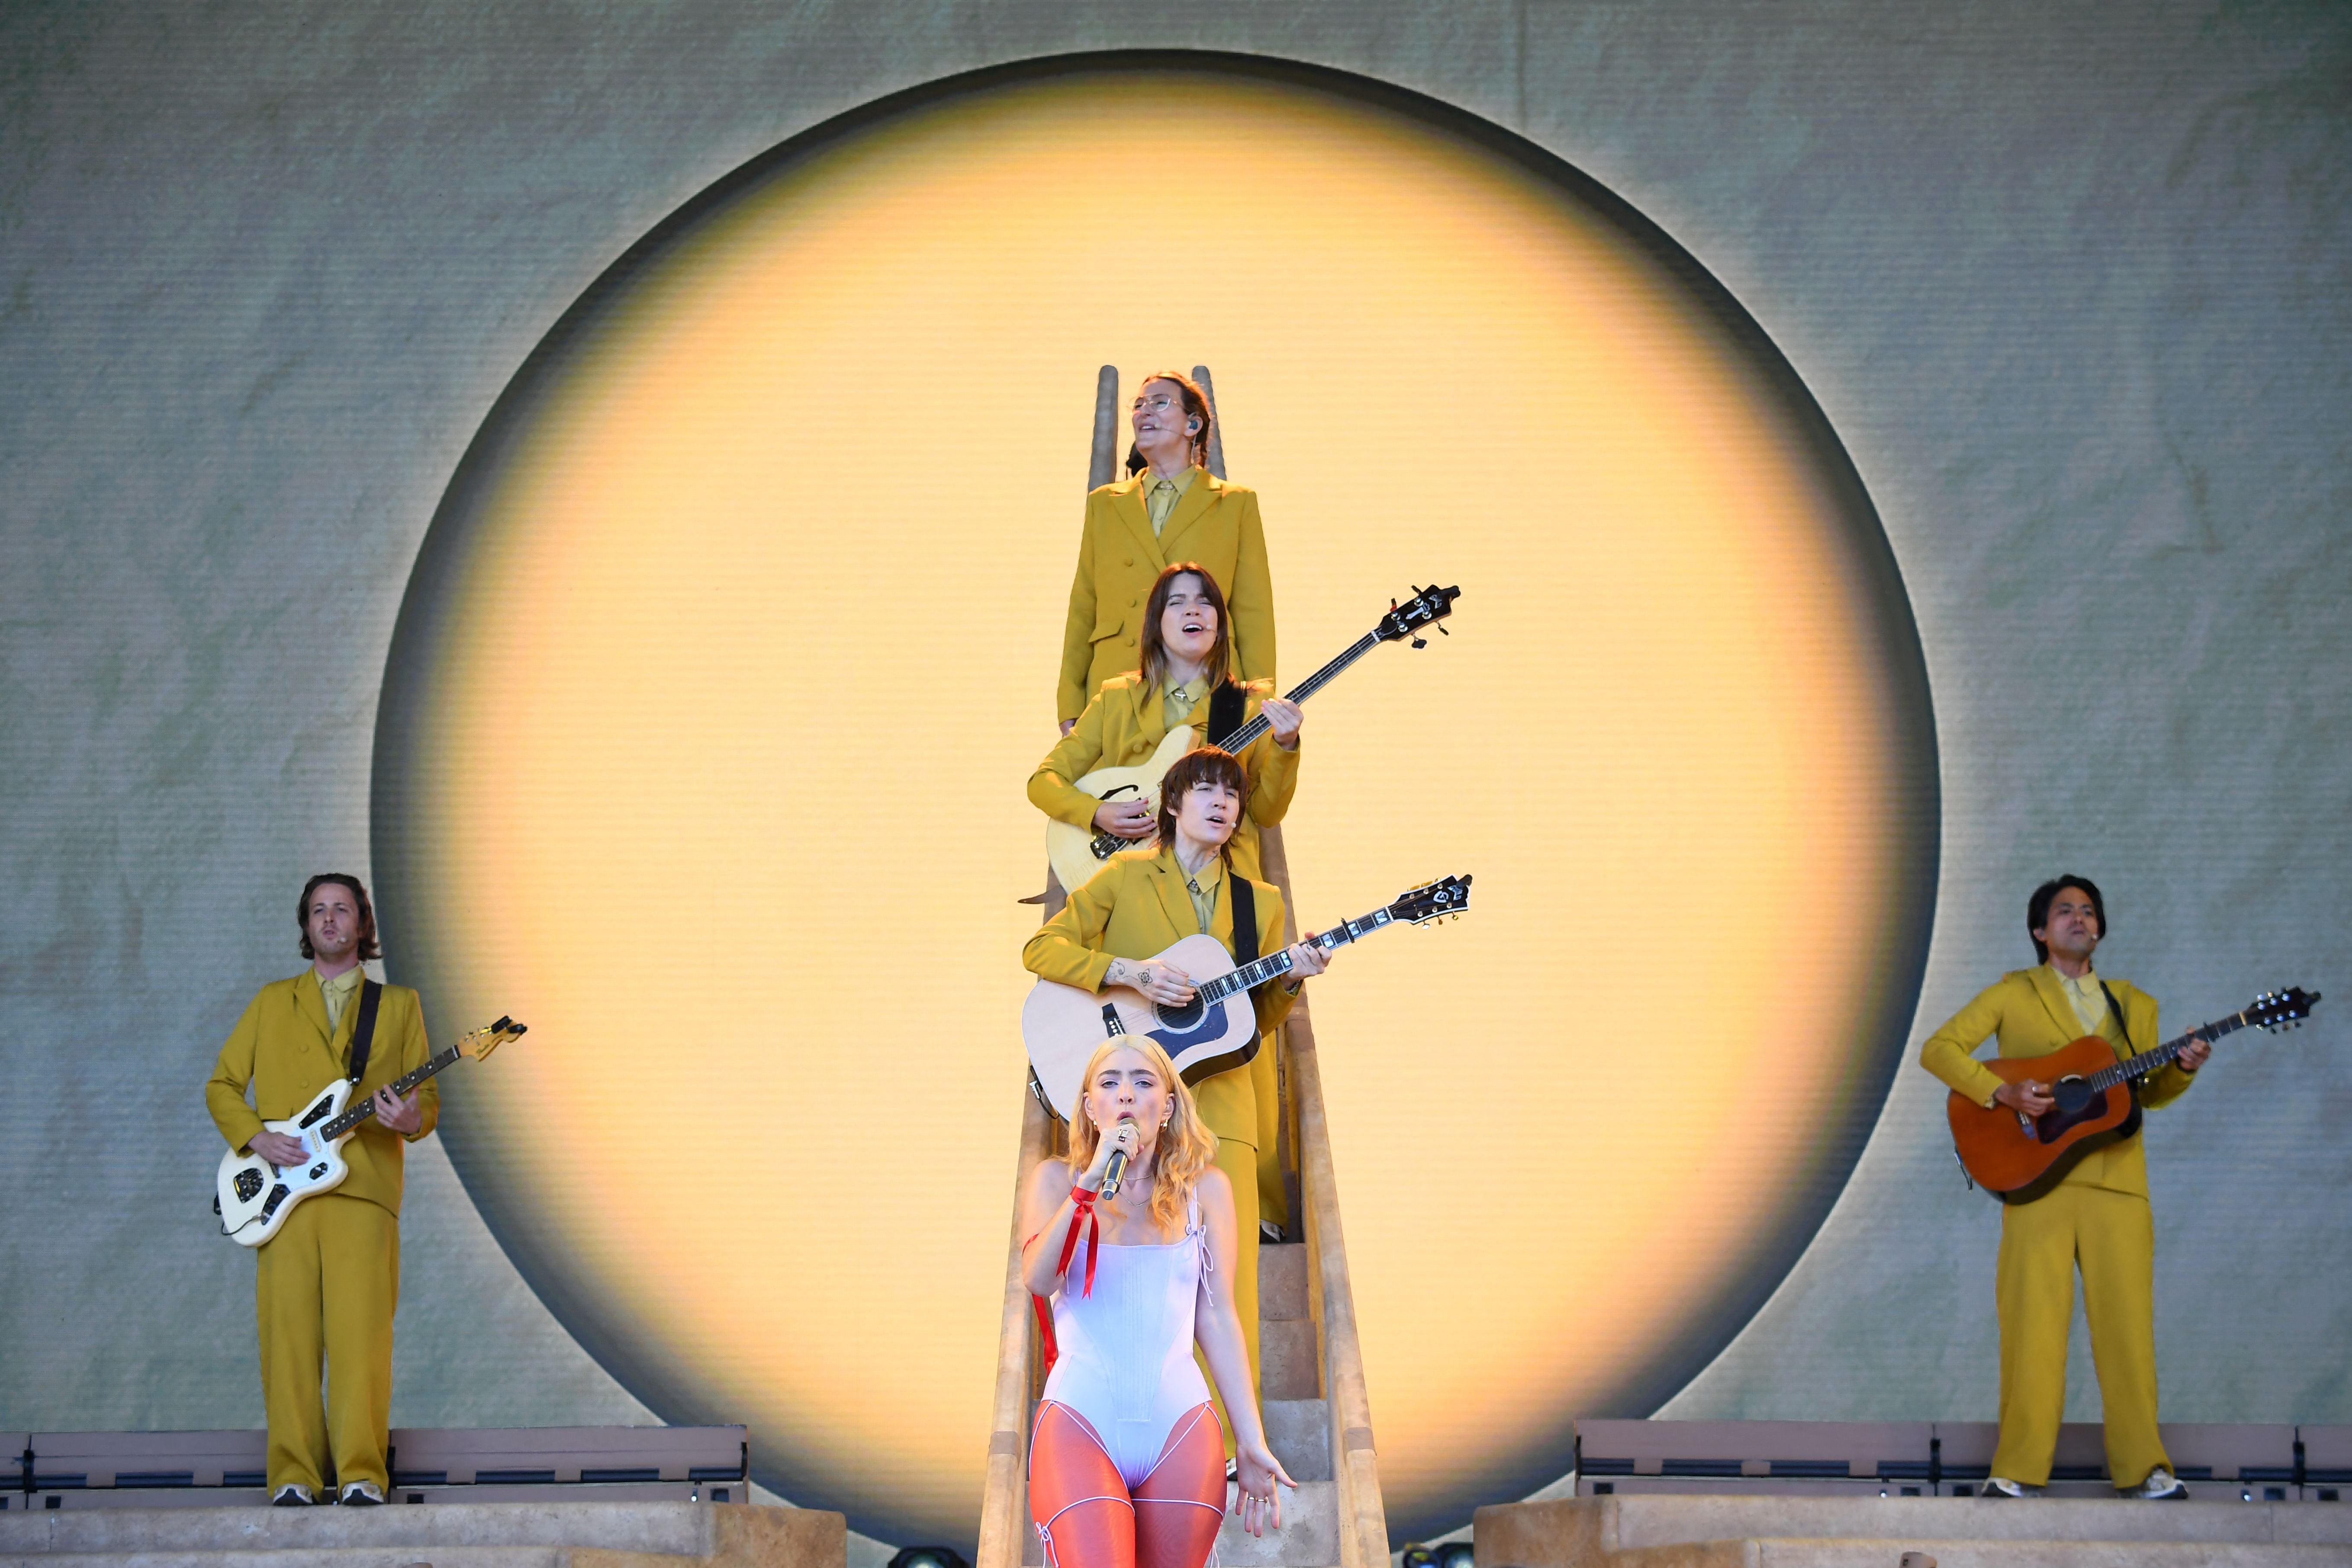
[248, 1185]
[2071, 1094]
[1182, 1020]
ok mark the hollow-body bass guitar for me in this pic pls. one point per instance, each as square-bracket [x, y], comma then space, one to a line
[1078, 853]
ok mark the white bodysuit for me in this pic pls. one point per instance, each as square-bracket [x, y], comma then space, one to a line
[1126, 1359]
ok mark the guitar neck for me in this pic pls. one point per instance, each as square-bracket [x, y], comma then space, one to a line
[2149, 1060]
[1240, 739]
[400, 1086]
[1274, 965]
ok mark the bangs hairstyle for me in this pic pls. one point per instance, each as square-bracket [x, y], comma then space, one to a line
[1203, 765]
[1185, 1149]
[1155, 644]
[2037, 910]
[367, 948]
[1196, 407]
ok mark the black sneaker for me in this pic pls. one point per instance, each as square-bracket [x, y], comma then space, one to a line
[362, 1494]
[2003, 1486]
[293, 1494]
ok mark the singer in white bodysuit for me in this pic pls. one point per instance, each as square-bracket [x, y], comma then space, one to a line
[1127, 1462]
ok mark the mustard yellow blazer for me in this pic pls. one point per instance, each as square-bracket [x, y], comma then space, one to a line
[1215, 525]
[284, 1050]
[2031, 1017]
[1135, 906]
[1125, 723]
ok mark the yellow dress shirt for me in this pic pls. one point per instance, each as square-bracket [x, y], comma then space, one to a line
[2089, 1001]
[1160, 496]
[1203, 885]
[340, 990]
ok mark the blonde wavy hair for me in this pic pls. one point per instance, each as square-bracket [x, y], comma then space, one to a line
[1185, 1148]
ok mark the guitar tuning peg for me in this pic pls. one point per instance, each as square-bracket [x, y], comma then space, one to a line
[1421, 642]
[1441, 631]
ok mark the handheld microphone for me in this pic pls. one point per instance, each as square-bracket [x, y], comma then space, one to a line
[1117, 1168]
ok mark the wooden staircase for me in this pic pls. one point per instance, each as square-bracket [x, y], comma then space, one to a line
[1311, 1375]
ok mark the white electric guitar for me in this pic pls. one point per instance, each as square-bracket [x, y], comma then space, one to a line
[255, 1197]
[1078, 853]
[1217, 1030]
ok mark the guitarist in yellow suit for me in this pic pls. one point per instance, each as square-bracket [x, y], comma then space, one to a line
[2096, 1217]
[326, 1284]
[1142, 903]
[1174, 510]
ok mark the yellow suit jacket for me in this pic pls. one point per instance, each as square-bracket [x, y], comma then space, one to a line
[1123, 724]
[2031, 1017]
[1135, 906]
[1215, 525]
[284, 1050]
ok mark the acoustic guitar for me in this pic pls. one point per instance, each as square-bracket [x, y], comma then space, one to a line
[1217, 1030]
[2018, 1158]
[1078, 853]
[253, 1196]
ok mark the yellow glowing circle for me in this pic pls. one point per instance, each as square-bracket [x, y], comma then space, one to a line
[730, 650]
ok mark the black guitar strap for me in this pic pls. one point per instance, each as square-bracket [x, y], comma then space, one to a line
[363, 1032]
[1227, 703]
[2118, 1009]
[1244, 917]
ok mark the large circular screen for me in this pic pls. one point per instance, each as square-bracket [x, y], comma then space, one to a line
[705, 731]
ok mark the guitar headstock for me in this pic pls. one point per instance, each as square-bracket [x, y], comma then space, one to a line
[483, 1041]
[1433, 900]
[1426, 608]
[2279, 1009]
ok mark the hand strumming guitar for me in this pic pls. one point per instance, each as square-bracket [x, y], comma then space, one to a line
[2031, 1097]
[279, 1148]
[1156, 978]
[1126, 819]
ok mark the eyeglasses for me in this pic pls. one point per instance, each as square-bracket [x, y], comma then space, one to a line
[1159, 404]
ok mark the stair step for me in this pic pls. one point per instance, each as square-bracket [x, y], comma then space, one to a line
[1704, 1532]
[329, 1557]
[1282, 1282]
[1299, 1433]
[1287, 1360]
[1766, 1552]
[1309, 1535]
[552, 1534]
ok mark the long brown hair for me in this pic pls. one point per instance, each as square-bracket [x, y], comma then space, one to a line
[1154, 646]
[1185, 1147]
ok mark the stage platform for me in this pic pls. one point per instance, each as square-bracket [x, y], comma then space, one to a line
[551, 1534]
[1766, 1531]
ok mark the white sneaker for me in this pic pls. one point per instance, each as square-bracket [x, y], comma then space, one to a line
[362, 1494]
[293, 1494]
[2001, 1486]
[2161, 1486]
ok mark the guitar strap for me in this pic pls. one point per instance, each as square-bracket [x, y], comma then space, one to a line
[1244, 917]
[363, 1032]
[1227, 703]
[2121, 1028]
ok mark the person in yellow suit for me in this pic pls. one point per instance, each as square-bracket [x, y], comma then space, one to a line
[1141, 903]
[1173, 510]
[326, 1284]
[2096, 1217]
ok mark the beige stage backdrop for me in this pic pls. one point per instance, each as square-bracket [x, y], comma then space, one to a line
[612, 477]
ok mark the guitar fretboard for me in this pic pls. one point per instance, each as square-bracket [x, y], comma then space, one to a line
[1248, 733]
[399, 1085]
[1251, 975]
[2149, 1060]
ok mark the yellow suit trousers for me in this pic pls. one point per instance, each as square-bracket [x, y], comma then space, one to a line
[324, 1288]
[1238, 1161]
[2112, 1237]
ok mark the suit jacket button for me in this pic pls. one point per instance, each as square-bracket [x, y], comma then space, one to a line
[1130, 560]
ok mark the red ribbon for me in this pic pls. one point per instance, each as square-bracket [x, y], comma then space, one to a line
[1083, 1202]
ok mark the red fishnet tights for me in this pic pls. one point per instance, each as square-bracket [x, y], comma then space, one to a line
[1090, 1519]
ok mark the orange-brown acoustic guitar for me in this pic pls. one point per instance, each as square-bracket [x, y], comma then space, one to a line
[2017, 1158]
